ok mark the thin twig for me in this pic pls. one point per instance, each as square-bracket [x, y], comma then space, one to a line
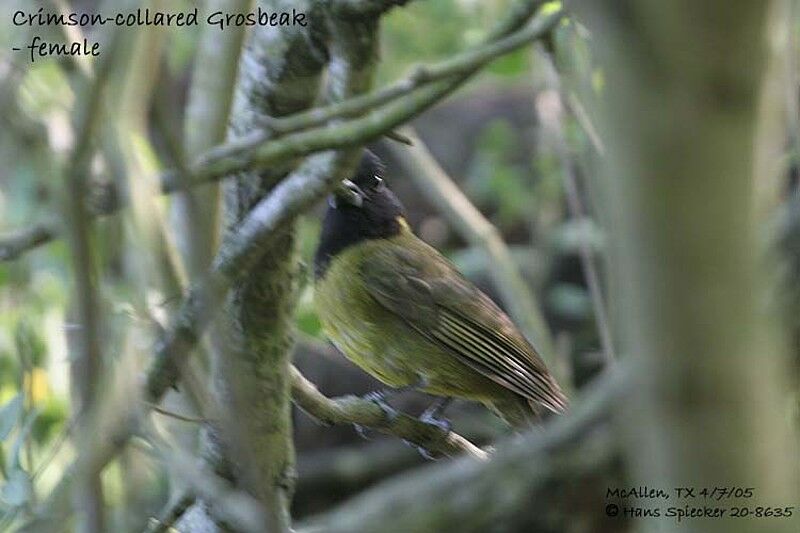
[252, 152]
[551, 115]
[65, 432]
[293, 195]
[579, 111]
[20, 241]
[420, 75]
[177, 416]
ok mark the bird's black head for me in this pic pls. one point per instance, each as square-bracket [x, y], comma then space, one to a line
[361, 208]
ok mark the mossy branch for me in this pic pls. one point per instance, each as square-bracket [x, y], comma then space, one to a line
[543, 481]
[245, 247]
[356, 410]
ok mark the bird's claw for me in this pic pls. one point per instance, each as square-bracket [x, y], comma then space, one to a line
[363, 432]
[379, 399]
[424, 452]
[389, 412]
[433, 415]
[432, 419]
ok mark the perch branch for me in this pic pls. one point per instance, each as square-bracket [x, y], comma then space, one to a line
[355, 410]
[565, 468]
[293, 195]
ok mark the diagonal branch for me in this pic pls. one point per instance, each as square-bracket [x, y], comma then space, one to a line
[551, 114]
[452, 68]
[242, 250]
[388, 108]
[355, 410]
[549, 480]
[291, 197]
[295, 194]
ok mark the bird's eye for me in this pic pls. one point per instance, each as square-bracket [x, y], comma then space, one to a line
[378, 184]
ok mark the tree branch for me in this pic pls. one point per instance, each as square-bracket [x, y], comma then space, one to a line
[461, 64]
[255, 152]
[86, 342]
[226, 501]
[195, 214]
[686, 258]
[355, 410]
[548, 480]
[292, 196]
[310, 182]
[551, 113]
[14, 244]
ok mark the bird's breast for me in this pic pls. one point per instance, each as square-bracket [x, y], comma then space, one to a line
[363, 330]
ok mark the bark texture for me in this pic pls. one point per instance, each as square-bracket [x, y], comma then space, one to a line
[682, 87]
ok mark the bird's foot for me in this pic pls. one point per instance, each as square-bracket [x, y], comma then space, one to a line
[434, 415]
[363, 432]
[424, 452]
[436, 420]
[379, 398]
[389, 413]
[432, 419]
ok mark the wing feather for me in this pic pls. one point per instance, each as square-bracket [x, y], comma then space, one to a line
[434, 299]
[492, 355]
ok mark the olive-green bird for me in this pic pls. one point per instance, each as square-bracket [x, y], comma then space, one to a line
[402, 312]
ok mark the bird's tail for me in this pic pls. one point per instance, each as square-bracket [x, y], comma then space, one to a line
[517, 412]
[523, 413]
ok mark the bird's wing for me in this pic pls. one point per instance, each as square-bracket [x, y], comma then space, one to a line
[435, 299]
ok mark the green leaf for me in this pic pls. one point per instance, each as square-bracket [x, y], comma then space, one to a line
[9, 415]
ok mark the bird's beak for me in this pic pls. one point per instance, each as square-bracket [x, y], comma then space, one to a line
[348, 193]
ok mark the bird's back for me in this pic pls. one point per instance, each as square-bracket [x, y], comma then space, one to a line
[400, 310]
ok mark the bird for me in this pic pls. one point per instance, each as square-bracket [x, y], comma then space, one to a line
[400, 310]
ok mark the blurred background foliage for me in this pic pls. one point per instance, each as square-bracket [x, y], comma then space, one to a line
[487, 137]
